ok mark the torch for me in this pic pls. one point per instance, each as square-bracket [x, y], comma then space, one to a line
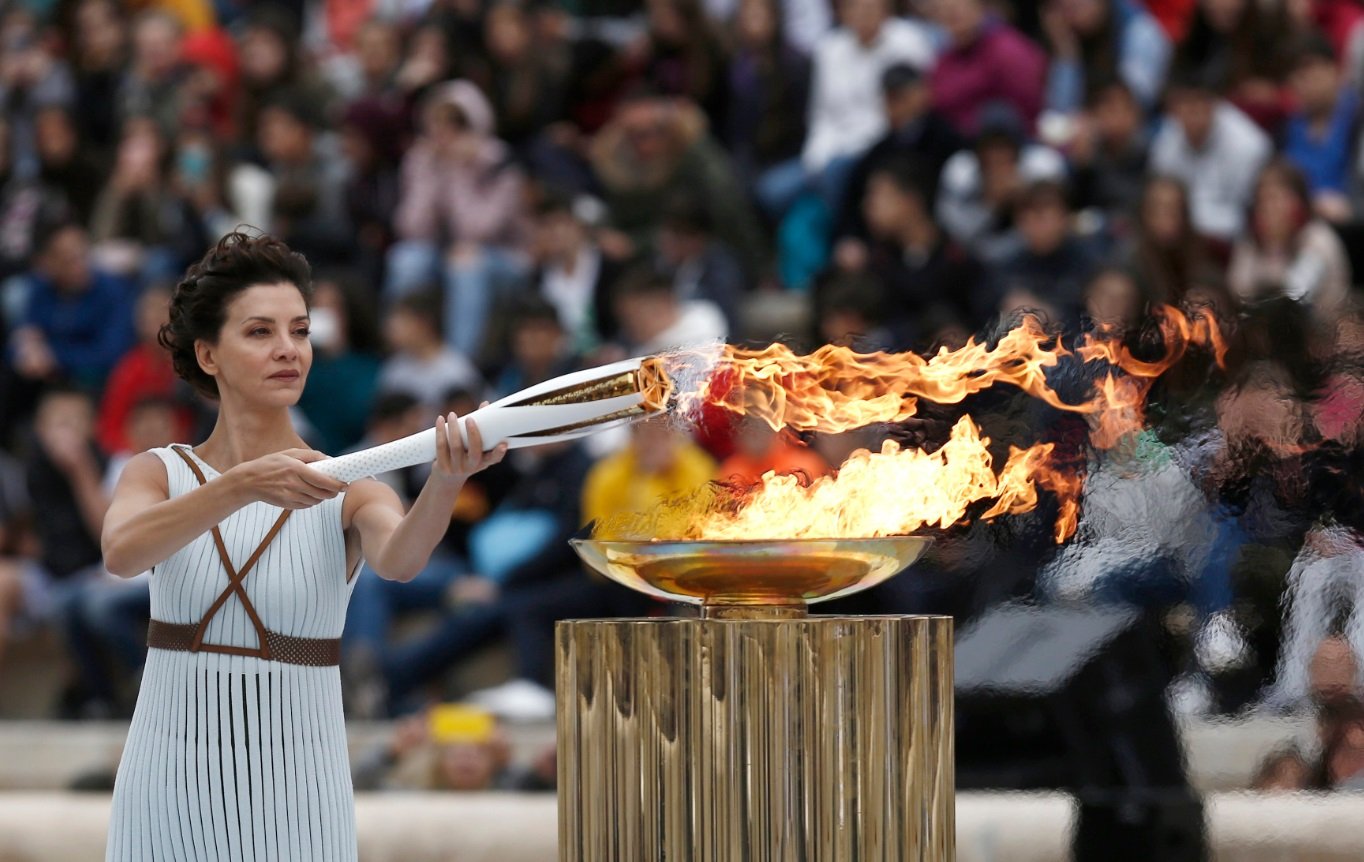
[564, 408]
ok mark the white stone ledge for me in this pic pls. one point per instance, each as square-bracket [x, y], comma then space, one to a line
[494, 827]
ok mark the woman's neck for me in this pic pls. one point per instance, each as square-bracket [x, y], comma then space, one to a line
[242, 434]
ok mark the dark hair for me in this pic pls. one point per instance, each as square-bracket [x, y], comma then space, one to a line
[425, 305]
[391, 405]
[1312, 49]
[534, 308]
[48, 229]
[642, 279]
[199, 303]
[1040, 193]
[912, 176]
[899, 76]
[685, 213]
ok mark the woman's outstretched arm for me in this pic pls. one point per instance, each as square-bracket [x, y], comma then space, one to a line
[398, 546]
[143, 526]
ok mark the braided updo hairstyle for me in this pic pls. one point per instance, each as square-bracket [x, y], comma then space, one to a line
[199, 304]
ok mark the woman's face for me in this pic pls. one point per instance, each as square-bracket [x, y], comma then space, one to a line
[1277, 210]
[1087, 17]
[263, 353]
[264, 56]
[756, 22]
[1114, 302]
[99, 32]
[1163, 213]
[1223, 15]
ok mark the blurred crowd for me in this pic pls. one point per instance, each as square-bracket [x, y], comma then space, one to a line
[494, 192]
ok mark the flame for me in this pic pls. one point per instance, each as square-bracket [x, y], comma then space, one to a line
[836, 389]
[896, 490]
[891, 492]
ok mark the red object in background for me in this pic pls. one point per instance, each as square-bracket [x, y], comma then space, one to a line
[786, 457]
[215, 51]
[1174, 15]
[143, 372]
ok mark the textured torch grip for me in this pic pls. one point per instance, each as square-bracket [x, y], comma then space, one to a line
[419, 448]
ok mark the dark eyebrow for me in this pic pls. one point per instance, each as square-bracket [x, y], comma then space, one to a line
[272, 320]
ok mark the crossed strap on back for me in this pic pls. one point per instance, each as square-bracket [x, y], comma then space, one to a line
[235, 584]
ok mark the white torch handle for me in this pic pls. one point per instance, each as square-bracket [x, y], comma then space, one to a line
[505, 421]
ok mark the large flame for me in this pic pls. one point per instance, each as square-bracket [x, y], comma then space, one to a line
[900, 490]
[836, 389]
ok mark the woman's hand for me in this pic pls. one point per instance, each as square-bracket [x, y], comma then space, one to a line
[454, 461]
[284, 479]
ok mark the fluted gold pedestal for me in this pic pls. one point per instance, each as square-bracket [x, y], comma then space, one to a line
[797, 739]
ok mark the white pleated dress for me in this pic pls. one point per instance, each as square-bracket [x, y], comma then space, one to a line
[233, 757]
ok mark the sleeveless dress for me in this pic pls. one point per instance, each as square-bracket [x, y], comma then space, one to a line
[236, 757]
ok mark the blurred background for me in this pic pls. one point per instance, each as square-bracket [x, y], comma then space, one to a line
[494, 192]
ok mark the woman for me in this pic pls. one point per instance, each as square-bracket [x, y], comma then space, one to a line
[1166, 254]
[1288, 251]
[460, 220]
[237, 741]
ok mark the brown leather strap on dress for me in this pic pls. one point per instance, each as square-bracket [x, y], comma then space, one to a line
[235, 584]
[313, 652]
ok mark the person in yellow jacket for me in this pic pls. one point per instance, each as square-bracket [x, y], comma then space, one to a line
[660, 463]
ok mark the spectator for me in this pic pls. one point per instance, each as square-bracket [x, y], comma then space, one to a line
[345, 370]
[523, 74]
[682, 55]
[152, 86]
[305, 178]
[653, 319]
[76, 322]
[1215, 150]
[1241, 48]
[460, 215]
[144, 372]
[519, 556]
[373, 132]
[1321, 131]
[915, 130]
[930, 284]
[702, 267]
[1109, 153]
[1166, 254]
[1102, 40]
[420, 363]
[660, 464]
[539, 347]
[21, 203]
[421, 755]
[1050, 270]
[1114, 305]
[769, 90]
[848, 309]
[99, 48]
[211, 88]
[986, 62]
[141, 226]
[573, 274]
[32, 81]
[69, 177]
[653, 149]
[847, 114]
[1289, 252]
[272, 63]
[978, 186]
[64, 474]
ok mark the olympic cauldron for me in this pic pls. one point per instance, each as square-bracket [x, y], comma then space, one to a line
[755, 731]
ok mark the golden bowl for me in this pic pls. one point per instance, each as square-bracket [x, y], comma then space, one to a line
[771, 574]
